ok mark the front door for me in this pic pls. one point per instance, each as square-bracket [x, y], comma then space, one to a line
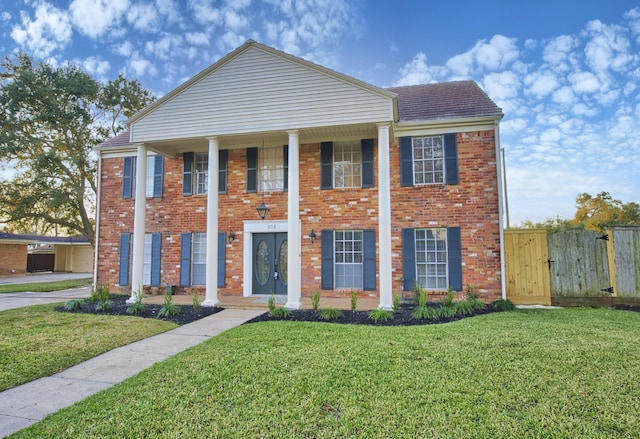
[269, 263]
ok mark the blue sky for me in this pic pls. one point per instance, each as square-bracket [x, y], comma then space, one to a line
[566, 74]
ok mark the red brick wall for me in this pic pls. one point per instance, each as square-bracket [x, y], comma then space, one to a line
[13, 259]
[472, 205]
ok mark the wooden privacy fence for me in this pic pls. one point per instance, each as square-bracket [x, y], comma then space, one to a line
[573, 267]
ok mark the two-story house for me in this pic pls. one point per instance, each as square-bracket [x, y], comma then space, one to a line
[268, 174]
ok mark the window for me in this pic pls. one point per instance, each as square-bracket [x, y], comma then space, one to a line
[428, 160]
[431, 258]
[193, 259]
[153, 179]
[146, 272]
[197, 164]
[202, 171]
[348, 259]
[151, 259]
[271, 171]
[347, 165]
[199, 259]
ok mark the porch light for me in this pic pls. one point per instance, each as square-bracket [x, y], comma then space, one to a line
[231, 237]
[312, 236]
[263, 210]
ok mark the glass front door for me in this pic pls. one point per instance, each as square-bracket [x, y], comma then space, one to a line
[270, 263]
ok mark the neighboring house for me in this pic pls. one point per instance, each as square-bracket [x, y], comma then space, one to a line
[368, 189]
[20, 254]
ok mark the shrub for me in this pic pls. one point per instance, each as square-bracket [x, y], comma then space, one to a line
[271, 303]
[168, 308]
[464, 307]
[137, 307]
[504, 305]
[424, 313]
[354, 300]
[195, 301]
[396, 302]
[472, 292]
[103, 305]
[330, 314]
[73, 304]
[99, 293]
[380, 315]
[446, 311]
[315, 300]
[417, 290]
[448, 299]
[279, 313]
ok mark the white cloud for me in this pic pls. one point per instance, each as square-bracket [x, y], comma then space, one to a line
[95, 17]
[415, 71]
[143, 17]
[541, 83]
[607, 49]
[558, 51]
[49, 31]
[165, 47]
[197, 38]
[5, 16]
[496, 54]
[96, 66]
[204, 12]
[584, 82]
[563, 96]
[141, 67]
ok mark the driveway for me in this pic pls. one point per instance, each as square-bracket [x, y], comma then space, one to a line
[18, 300]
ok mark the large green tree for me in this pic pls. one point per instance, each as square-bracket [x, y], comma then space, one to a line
[602, 211]
[50, 120]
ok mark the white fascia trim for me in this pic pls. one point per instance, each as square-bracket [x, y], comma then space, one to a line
[444, 126]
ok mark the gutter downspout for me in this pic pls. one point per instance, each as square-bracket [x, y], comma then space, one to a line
[97, 230]
[503, 281]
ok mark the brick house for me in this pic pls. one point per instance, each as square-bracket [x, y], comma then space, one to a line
[367, 189]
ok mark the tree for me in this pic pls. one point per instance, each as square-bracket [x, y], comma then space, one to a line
[602, 211]
[50, 120]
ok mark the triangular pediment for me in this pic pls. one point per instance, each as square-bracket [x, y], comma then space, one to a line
[257, 89]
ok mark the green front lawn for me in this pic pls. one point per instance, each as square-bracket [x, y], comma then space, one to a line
[36, 341]
[560, 373]
[42, 287]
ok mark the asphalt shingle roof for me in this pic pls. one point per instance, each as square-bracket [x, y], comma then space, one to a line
[445, 100]
[121, 139]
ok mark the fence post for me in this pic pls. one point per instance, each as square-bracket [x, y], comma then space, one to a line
[611, 260]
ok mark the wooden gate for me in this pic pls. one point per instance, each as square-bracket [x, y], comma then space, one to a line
[526, 266]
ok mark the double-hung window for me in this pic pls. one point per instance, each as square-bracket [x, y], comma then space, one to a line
[347, 165]
[154, 175]
[432, 257]
[271, 172]
[195, 173]
[429, 160]
[202, 171]
[151, 259]
[193, 259]
[348, 259]
[199, 259]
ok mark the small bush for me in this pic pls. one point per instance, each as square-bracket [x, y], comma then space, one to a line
[103, 305]
[424, 313]
[504, 305]
[417, 290]
[73, 304]
[472, 292]
[354, 300]
[330, 314]
[446, 311]
[279, 313]
[464, 307]
[99, 293]
[168, 308]
[448, 299]
[195, 301]
[380, 315]
[137, 307]
[271, 303]
[396, 302]
[315, 300]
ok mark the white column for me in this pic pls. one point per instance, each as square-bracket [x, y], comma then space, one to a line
[211, 298]
[139, 217]
[294, 241]
[384, 218]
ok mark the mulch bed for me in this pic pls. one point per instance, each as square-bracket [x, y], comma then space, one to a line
[186, 313]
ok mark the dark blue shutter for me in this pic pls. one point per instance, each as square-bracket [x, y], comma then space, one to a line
[252, 169]
[327, 259]
[222, 250]
[369, 260]
[223, 158]
[326, 170]
[127, 177]
[155, 259]
[408, 259]
[454, 262]
[367, 162]
[187, 173]
[185, 260]
[125, 253]
[158, 171]
[285, 156]
[451, 159]
[406, 161]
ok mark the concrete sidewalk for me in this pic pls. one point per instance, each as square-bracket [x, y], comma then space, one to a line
[27, 404]
[18, 300]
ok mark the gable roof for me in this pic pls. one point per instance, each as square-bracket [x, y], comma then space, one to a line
[445, 100]
[120, 140]
[33, 239]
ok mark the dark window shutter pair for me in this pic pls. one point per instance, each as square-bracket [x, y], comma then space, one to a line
[450, 160]
[368, 265]
[252, 168]
[454, 262]
[188, 159]
[125, 258]
[128, 180]
[185, 259]
[326, 160]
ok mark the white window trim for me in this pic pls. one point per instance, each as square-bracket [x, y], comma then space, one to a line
[439, 231]
[433, 160]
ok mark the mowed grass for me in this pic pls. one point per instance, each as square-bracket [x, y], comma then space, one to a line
[37, 341]
[553, 374]
[42, 287]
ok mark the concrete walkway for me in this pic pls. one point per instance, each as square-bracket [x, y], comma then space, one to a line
[18, 300]
[27, 404]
